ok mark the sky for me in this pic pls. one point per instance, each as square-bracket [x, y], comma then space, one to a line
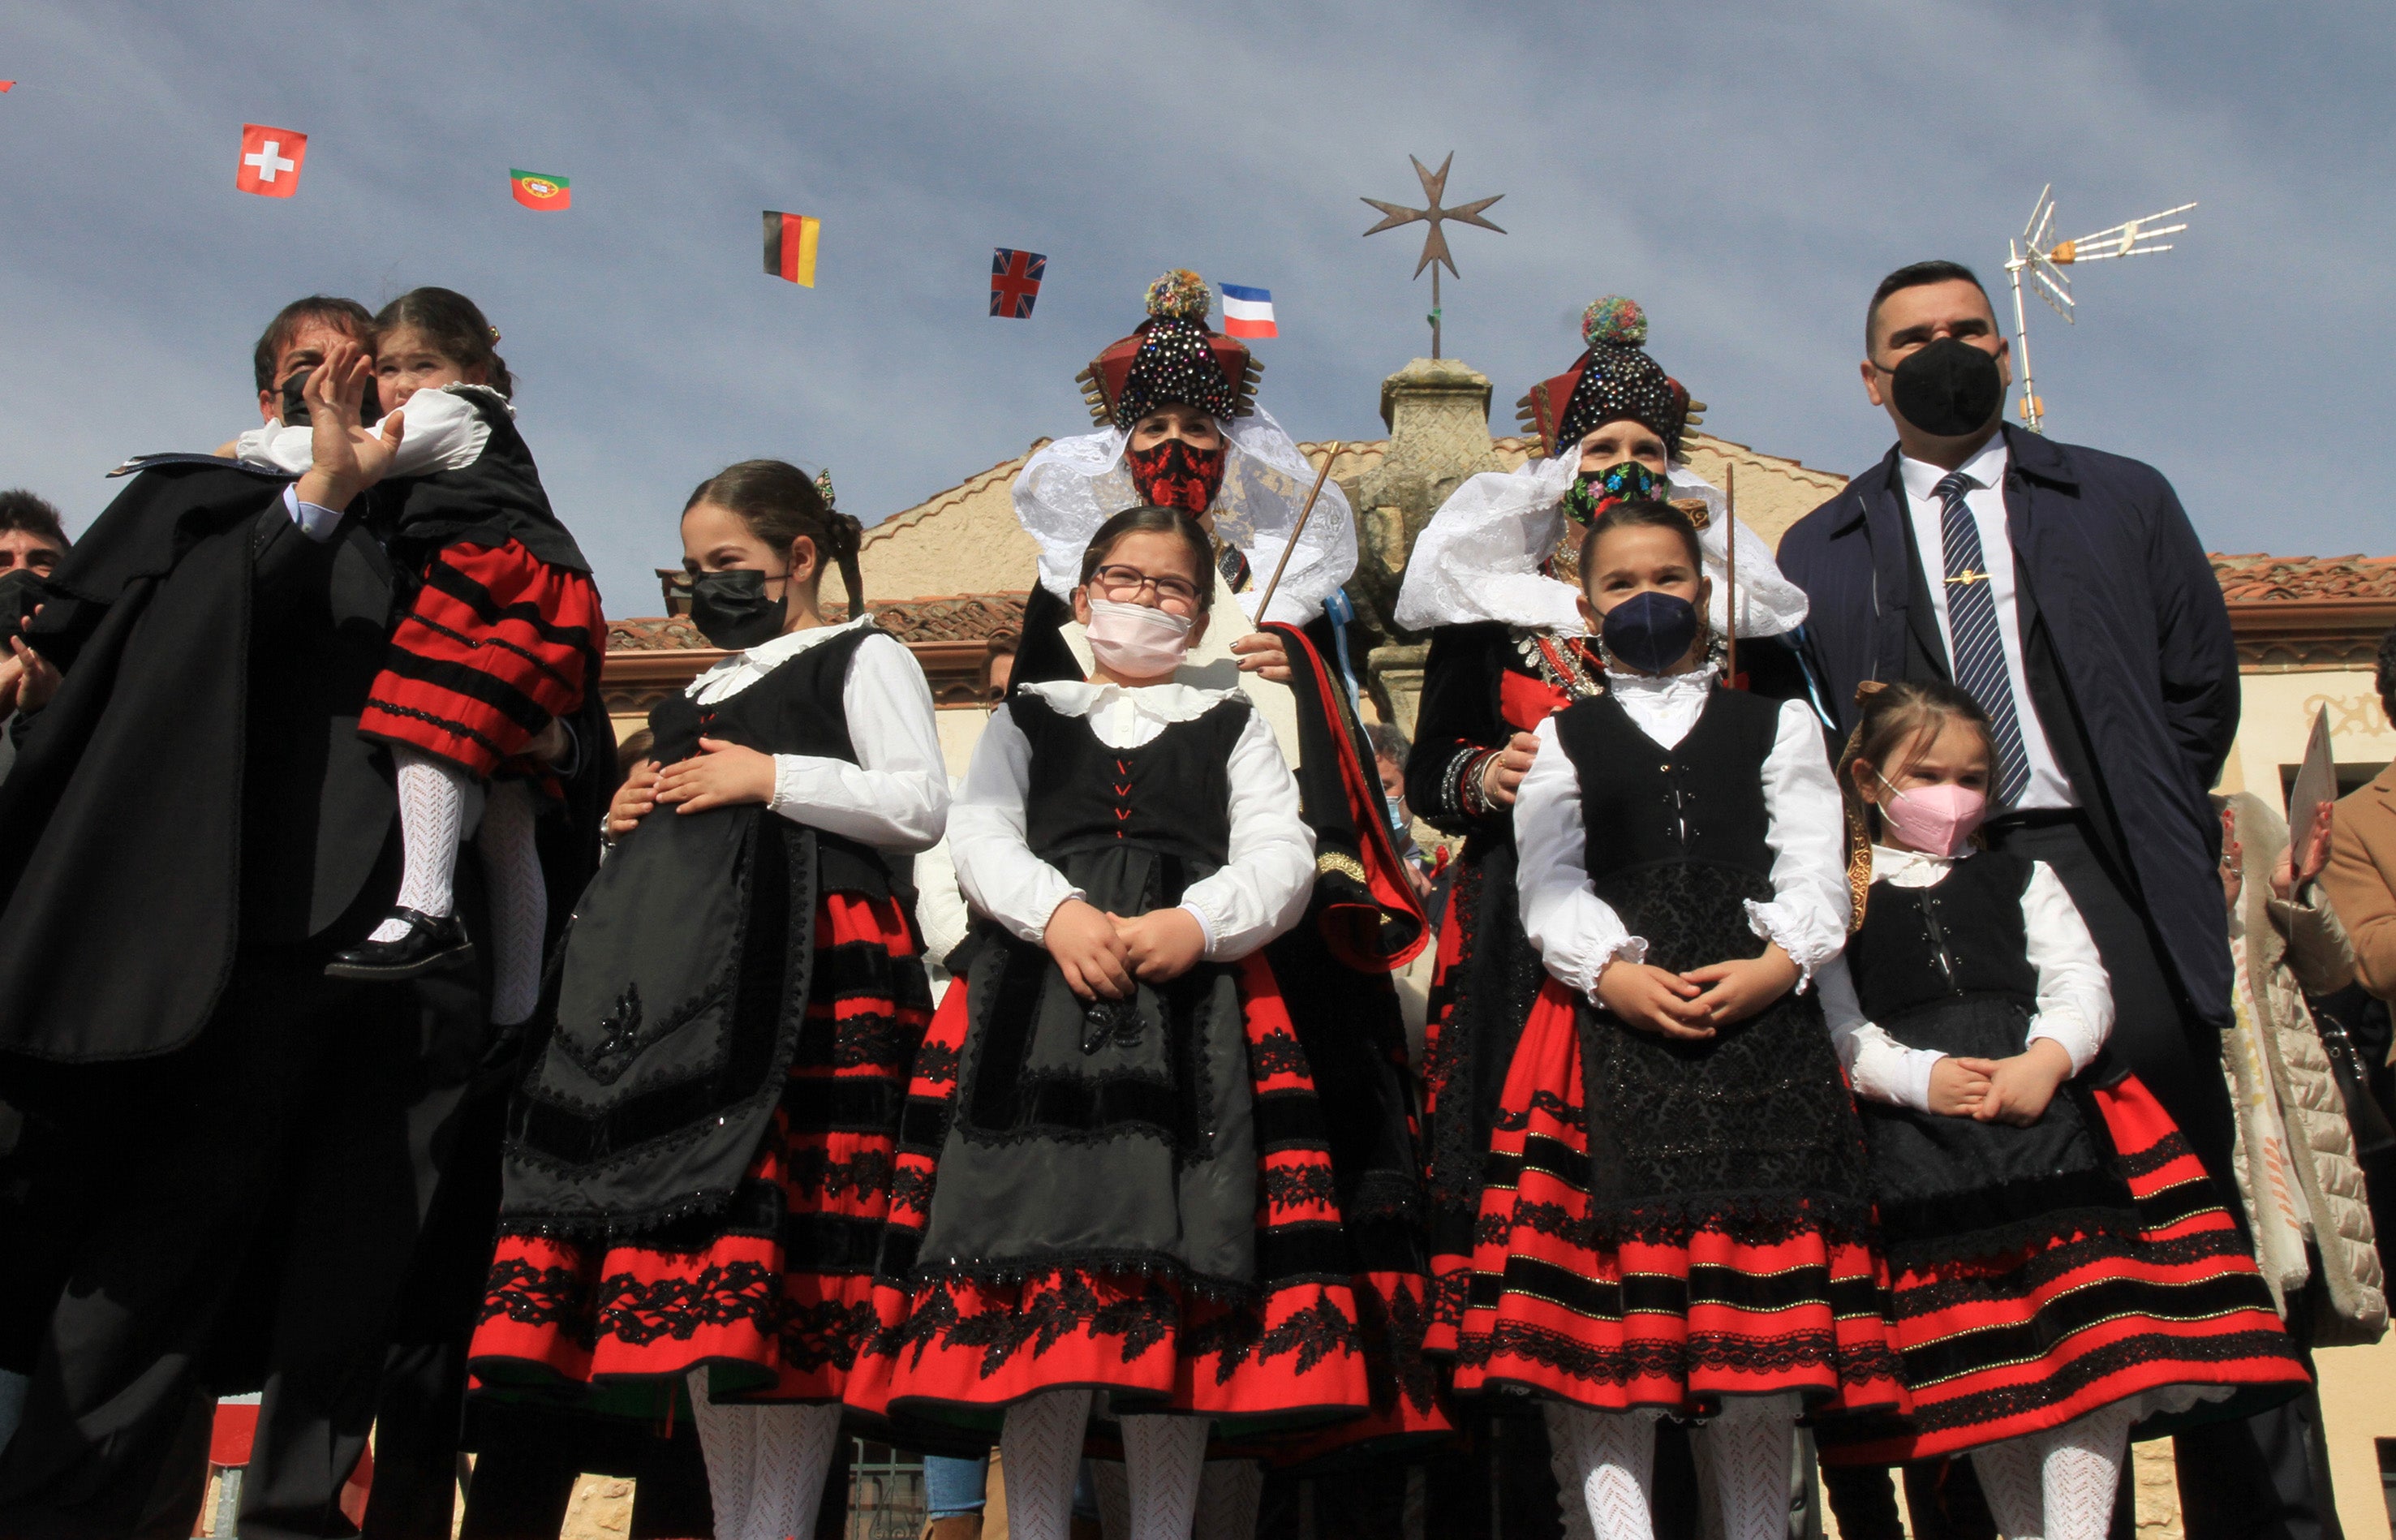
[1745, 171]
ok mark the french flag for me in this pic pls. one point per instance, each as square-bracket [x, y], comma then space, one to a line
[1248, 311]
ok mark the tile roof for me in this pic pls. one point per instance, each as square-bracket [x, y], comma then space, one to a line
[2254, 577]
[940, 617]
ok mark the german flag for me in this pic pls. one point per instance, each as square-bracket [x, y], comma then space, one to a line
[540, 190]
[791, 247]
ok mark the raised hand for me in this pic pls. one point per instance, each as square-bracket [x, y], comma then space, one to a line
[1501, 777]
[1263, 653]
[347, 458]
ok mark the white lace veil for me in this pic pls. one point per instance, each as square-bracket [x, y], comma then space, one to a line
[1072, 485]
[1479, 558]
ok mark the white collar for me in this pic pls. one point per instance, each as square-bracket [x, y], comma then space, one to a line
[1172, 701]
[1983, 470]
[1697, 680]
[1892, 863]
[781, 649]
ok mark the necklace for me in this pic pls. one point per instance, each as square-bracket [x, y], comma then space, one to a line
[1564, 663]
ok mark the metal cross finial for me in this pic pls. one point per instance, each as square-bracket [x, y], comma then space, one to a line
[1435, 254]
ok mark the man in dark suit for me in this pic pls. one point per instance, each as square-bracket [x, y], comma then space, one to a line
[192, 828]
[2065, 589]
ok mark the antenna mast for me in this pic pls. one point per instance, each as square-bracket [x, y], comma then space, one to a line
[2031, 253]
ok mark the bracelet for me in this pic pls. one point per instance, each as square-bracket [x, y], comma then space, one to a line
[1473, 792]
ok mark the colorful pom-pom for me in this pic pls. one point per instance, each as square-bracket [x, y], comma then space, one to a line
[1614, 320]
[823, 488]
[1180, 294]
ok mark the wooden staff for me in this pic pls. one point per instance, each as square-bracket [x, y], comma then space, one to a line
[1730, 573]
[1331, 452]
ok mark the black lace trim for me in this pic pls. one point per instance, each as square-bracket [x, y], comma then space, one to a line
[538, 1296]
[876, 1039]
[1072, 1308]
[1277, 1054]
[641, 1312]
[827, 1334]
[1290, 1187]
[1391, 1328]
[1765, 1219]
[1548, 1102]
[867, 1173]
[937, 1062]
[2068, 1378]
[1238, 1334]
[1991, 1241]
[2041, 1269]
[910, 1190]
[1649, 1360]
[2146, 1161]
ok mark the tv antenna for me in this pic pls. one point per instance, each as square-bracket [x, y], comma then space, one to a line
[1435, 251]
[2037, 253]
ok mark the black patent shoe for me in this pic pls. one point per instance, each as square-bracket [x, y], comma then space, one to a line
[432, 942]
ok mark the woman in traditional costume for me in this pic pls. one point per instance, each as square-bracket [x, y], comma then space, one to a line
[698, 1165]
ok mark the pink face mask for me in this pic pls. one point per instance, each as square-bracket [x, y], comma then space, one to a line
[1934, 819]
[1137, 642]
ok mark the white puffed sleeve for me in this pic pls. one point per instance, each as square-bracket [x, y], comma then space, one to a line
[2075, 998]
[896, 796]
[439, 431]
[1264, 883]
[1807, 915]
[996, 870]
[1577, 933]
[1880, 1068]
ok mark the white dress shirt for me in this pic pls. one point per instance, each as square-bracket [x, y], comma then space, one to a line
[896, 796]
[2048, 786]
[2075, 1000]
[1262, 887]
[1578, 933]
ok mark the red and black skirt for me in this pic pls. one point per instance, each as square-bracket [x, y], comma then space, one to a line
[1141, 1202]
[2015, 1333]
[774, 1294]
[1668, 1223]
[497, 642]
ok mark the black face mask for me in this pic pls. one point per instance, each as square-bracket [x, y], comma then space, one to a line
[1949, 388]
[1652, 631]
[20, 590]
[731, 610]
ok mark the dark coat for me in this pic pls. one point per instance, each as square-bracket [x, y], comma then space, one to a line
[2129, 653]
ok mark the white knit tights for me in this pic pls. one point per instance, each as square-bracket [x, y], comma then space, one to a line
[1607, 1460]
[1163, 1457]
[766, 1463]
[519, 899]
[1230, 1493]
[1039, 1448]
[2058, 1484]
[1751, 1446]
[431, 812]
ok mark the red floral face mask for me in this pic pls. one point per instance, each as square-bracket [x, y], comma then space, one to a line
[1174, 476]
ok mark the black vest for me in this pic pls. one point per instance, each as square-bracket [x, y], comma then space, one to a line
[1173, 792]
[797, 709]
[494, 500]
[1964, 936]
[1699, 801]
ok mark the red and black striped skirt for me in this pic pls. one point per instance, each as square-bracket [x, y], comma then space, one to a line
[959, 1349]
[776, 1296]
[1571, 1303]
[497, 642]
[2032, 1336]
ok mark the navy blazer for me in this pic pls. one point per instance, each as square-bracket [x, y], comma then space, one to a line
[2108, 564]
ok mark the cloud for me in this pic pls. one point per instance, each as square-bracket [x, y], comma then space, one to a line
[1746, 170]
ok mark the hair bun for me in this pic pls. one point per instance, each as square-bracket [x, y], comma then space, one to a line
[1180, 294]
[1614, 320]
[1869, 688]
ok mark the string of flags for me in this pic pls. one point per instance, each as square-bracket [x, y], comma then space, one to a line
[272, 161]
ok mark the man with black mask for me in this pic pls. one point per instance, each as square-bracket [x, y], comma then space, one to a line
[2064, 588]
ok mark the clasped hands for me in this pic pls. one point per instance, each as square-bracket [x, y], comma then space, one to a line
[1691, 1006]
[1101, 955]
[2013, 1090]
[720, 774]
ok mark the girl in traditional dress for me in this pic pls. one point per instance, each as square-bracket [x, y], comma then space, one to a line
[502, 638]
[2062, 1268]
[1115, 1192]
[1675, 1217]
[698, 1166]
[1494, 579]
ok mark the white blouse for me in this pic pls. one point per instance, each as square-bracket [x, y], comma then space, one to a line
[1578, 933]
[440, 430]
[2075, 1000]
[896, 796]
[1261, 889]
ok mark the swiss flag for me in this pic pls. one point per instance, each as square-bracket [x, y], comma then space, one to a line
[269, 161]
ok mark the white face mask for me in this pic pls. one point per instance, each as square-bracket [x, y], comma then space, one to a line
[1136, 640]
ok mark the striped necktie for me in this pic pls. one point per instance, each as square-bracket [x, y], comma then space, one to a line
[1979, 660]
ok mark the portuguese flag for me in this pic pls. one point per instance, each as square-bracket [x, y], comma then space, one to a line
[791, 247]
[541, 191]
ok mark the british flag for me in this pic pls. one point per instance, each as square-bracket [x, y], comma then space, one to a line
[1015, 282]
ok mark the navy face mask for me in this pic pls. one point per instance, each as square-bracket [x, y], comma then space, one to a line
[1651, 631]
[731, 610]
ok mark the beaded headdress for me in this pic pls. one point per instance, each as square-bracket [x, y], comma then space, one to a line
[1172, 357]
[1613, 379]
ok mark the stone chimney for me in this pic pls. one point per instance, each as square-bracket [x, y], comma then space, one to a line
[1438, 413]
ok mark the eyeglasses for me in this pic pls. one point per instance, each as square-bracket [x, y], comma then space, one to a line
[1121, 583]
